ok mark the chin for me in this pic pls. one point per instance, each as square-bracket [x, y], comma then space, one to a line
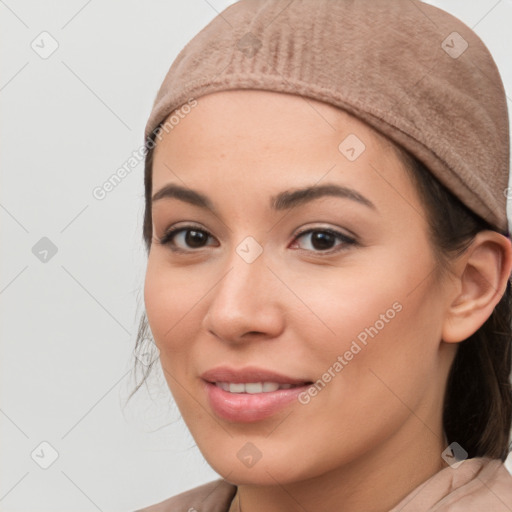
[243, 465]
[262, 475]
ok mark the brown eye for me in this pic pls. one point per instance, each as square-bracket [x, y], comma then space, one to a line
[190, 238]
[323, 240]
[185, 238]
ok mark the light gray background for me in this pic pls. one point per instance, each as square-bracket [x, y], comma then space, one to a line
[68, 326]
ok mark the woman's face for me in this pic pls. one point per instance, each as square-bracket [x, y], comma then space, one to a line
[335, 289]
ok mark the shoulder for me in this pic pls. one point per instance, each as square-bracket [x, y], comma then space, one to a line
[490, 488]
[479, 484]
[215, 496]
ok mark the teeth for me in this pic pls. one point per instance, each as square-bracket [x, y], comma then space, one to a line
[251, 387]
[236, 388]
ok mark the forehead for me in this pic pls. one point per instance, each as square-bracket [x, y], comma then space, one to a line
[266, 116]
[267, 140]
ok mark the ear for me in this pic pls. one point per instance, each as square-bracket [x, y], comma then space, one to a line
[482, 273]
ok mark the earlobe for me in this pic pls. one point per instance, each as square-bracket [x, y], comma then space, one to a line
[483, 272]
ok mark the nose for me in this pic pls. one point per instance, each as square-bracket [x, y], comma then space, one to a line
[246, 303]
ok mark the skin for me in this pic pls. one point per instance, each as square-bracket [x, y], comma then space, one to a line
[377, 425]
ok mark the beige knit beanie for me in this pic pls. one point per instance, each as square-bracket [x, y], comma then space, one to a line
[410, 70]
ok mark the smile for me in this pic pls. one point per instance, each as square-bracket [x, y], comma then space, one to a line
[253, 387]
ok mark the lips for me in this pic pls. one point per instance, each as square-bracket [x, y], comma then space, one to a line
[245, 404]
[250, 374]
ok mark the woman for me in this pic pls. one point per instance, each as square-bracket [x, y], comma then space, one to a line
[329, 258]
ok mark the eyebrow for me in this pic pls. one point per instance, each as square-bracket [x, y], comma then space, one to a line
[282, 201]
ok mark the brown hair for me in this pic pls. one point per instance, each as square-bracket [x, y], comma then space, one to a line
[477, 411]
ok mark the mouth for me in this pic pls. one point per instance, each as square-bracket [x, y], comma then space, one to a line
[250, 394]
[256, 387]
[252, 378]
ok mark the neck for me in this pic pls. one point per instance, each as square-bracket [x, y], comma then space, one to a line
[375, 482]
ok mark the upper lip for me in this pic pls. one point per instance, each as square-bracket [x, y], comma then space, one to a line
[248, 374]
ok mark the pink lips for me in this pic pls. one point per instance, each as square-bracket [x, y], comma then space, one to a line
[249, 407]
[248, 374]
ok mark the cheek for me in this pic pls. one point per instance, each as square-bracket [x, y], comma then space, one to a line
[367, 289]
[170, 298]
[350, 305]
[386, 370]
[362, 404]
[367, 334]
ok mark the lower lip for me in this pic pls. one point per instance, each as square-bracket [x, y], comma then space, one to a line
[250, 407]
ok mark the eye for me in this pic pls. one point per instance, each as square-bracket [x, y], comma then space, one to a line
[322, 239]
[185, 238]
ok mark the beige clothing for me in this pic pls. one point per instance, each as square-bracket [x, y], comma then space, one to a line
[477, 485]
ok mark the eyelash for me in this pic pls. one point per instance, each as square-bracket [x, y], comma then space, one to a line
[167, 239]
